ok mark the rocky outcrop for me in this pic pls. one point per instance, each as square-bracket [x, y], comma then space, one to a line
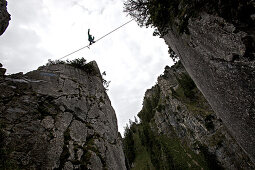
[5, 17]
[188, 113]
[179, 130]
[58, 117]
[220, 59]
[2, 70]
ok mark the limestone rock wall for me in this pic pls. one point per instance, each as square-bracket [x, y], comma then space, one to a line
[4, 16]
[58, 117]
[220, 59]
[185, 110]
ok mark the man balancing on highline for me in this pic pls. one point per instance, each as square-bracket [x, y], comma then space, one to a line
[90, 38]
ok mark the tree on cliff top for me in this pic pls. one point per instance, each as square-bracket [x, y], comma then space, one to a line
[150, 12]
[163, 14]
[156, 13]
[139, 10]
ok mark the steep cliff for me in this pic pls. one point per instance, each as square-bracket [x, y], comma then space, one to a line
[4, 16]
[222, 65]
[179, 130]
[58, 117]
[215, 41]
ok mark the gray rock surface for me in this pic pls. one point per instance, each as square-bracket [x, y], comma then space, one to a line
[58, 116]
[5, 17]
[216, 56]
[185, 112]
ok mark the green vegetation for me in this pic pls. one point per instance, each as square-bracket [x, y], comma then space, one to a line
[188, 86]
[128, 143]
[188, 94]
[186, 89]
[163, 14]
[150, 105]
[168, 14]
[173, 55]
[80, 63]
[146, 150]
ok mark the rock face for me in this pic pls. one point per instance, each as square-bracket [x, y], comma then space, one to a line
[180, 130]
[2, 70]
[193, 120]
[220, 59]
[4, 16]
[58, 117]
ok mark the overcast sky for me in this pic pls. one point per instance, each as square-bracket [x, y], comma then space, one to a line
[49, 29]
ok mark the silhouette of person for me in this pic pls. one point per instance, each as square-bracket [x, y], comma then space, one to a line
[90, 38]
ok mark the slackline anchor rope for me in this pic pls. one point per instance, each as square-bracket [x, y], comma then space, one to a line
[87, 46]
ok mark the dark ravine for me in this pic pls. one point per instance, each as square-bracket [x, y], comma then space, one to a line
[179, 130]
[5, 17]
[215, 56]
[58, 117]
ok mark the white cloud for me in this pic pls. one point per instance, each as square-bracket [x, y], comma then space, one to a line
[131, 56]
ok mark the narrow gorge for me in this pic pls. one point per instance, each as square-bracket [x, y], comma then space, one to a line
[200, 114]
[180, 130]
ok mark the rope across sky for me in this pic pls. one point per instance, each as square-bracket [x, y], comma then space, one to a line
[87, 46]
